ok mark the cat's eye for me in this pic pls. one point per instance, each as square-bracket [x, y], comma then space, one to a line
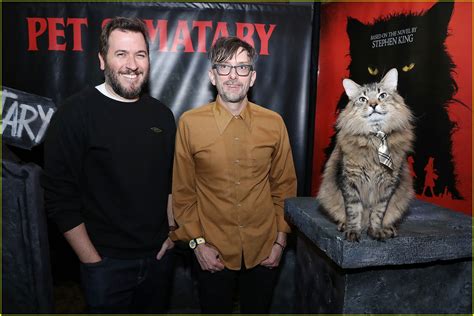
[373, 71]
[362, 99]
[382, 96]
[409, 67]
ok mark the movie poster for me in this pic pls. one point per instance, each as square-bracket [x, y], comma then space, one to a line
[430, 44]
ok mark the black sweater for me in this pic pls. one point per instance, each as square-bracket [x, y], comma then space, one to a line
[108, 165]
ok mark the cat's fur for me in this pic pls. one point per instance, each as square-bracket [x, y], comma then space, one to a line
[357, 191]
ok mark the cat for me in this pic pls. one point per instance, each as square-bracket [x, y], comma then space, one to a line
[358, 191]
[426, 83]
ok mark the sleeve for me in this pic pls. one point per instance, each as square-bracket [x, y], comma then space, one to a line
[63, 153]
[184, 188]
[172, 146]
[282, 177]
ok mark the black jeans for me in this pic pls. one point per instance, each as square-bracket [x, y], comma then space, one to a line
[128, 285]
[254, 289]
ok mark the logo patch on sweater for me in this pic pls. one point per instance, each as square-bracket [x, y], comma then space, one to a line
[156, 130]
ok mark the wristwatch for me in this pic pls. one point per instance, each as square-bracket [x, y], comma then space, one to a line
[193, 243]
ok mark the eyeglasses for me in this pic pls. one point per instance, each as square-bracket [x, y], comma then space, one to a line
[241, 70]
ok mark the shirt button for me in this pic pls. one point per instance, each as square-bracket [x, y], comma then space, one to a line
[236, 139]
[241, 226]
[237, 182]
[237, 161]
[239, 205]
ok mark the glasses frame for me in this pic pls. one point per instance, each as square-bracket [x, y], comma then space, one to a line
[214, 66]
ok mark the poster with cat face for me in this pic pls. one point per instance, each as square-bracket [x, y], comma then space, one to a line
[430, 44]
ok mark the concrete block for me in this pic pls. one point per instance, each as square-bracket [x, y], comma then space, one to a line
[426, 269]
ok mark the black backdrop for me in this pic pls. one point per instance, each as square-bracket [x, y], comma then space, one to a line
[50, 49]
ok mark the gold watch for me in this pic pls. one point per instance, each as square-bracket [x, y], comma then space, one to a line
[193, 243]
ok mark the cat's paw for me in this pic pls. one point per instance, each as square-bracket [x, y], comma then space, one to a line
[392, 230]
[341, 227]
[352, 235]
[382, 233]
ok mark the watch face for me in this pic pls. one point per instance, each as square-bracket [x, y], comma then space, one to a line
[192, 244]
[200, 240]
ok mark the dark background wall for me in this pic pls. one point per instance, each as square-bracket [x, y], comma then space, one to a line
[51, 51]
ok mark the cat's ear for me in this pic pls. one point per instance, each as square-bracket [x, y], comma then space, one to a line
[355, 28]
[352, 88]
[438, 17]
[390, 80]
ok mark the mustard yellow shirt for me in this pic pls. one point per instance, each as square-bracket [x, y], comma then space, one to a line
[231, 176]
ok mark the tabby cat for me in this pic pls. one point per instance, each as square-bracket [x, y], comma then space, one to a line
[366, 181]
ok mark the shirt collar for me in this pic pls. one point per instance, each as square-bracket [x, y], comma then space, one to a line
[223, 116]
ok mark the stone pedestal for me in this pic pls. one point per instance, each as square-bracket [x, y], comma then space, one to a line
[426, 269]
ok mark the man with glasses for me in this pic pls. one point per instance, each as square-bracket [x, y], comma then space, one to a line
[233, 168]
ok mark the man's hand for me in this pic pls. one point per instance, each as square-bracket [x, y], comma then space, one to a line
[208, 258]
[273, 260]
[167, 244]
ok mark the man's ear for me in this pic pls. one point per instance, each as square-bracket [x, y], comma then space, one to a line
[101, 61]
[253, 76]
[212, 77]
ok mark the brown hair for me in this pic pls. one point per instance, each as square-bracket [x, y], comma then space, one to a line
[226, 47]
[125, 24]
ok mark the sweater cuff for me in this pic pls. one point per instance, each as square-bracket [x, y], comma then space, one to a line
[67, 220]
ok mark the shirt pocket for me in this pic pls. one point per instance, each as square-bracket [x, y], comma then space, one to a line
[261, 159]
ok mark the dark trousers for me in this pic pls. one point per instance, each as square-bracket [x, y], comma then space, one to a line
[128, 285]
[254, 289]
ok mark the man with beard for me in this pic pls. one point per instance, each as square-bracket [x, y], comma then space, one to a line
[107, 178]
[233, 168]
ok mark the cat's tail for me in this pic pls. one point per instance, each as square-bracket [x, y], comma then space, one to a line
[329, 195]
[400, 199]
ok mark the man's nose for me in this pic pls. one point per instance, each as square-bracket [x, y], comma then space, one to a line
[233, 73]
[131, 63]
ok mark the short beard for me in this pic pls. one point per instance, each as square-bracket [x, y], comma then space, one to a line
[227, 98]
[230, 97]
[112, 79]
